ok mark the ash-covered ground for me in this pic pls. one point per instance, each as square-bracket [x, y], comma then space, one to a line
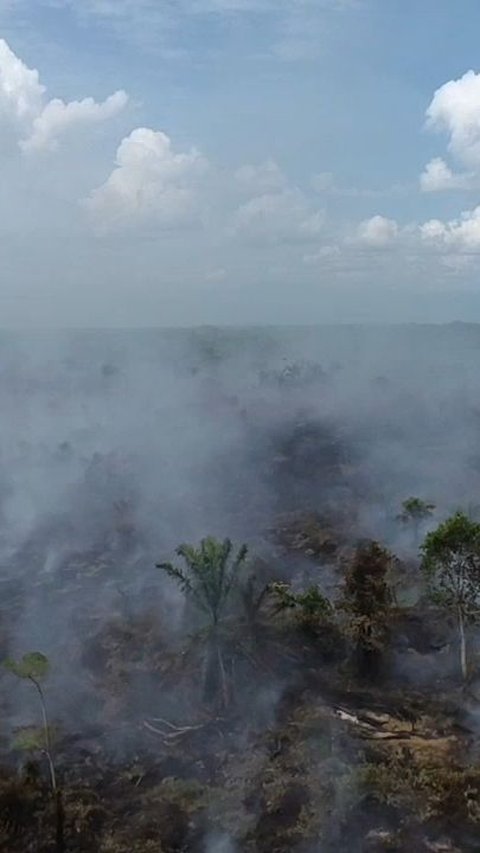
[118, 446]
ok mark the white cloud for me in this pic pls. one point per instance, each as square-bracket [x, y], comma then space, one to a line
[434, 238]
[41, 123]
[461, 234]
[377, 232]
[438, 176]
[150, 183]
[57, 117]
[274, 217]
[455, 109]
[21, 93]
[433, 231]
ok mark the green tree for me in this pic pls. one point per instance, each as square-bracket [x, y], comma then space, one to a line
[210, 573]
[311, 604]
[451, 563]
[313, 616]
[415, 513]
[34, 667]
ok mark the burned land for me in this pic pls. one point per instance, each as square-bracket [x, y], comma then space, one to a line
[213, 557]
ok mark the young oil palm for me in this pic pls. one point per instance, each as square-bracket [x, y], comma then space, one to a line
[209, 575]
[208, 578]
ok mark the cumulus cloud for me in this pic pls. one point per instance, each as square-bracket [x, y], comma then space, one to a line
[445, 239]
[462, 234]
[57, 117]
[377, 232]
[21, 93]
[285, 216]
[455, 110]
[438, 176]
[151, 182]
[42, 123]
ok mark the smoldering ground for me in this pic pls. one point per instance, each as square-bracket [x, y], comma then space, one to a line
[118, 446]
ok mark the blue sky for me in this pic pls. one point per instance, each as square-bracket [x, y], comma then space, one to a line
[239, 161]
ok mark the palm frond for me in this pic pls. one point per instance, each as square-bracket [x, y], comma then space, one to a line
[209, 572]
[178, 575]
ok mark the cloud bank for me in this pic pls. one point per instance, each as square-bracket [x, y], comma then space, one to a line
[222, 226]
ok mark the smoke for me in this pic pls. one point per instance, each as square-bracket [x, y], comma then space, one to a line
[118, 446]
[220, 844]
[132, 442]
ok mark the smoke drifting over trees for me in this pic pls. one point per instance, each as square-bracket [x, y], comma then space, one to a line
[303, 445]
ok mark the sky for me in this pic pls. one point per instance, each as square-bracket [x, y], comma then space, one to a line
[185, 162]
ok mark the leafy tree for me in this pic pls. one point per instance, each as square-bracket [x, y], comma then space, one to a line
[451, 563]
[34, 667]
[414, 513]
[312, 604]
[210, 573]
[367, 600]
[315, 616]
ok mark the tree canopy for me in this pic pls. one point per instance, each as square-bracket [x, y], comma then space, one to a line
[451, 563]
